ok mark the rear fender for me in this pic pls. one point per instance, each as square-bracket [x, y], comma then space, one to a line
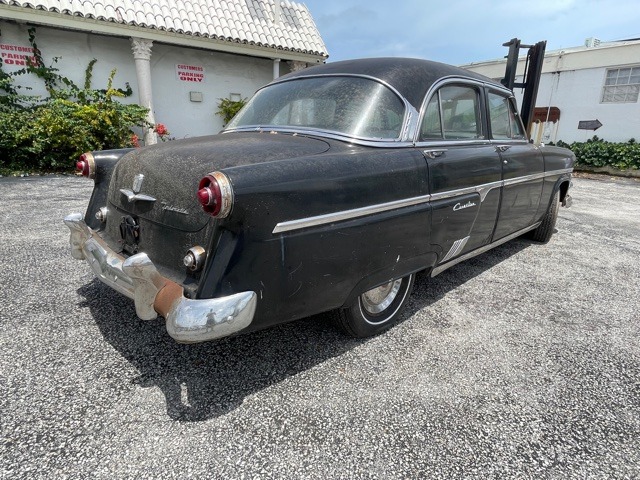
[105, 162]
[398, 270]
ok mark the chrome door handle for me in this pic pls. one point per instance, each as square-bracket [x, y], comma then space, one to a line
[434, 153]
[502, 148]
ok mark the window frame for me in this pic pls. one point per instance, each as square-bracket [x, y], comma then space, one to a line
[435, 91]
[604, 88]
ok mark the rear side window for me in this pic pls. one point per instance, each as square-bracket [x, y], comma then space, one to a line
[453, 113]
[503, 118]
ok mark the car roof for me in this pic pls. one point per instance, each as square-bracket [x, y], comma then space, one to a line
[411, 77]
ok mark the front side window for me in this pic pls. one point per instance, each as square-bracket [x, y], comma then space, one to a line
[453, 113]
[503, 119]
[621, 85]
[354, 106]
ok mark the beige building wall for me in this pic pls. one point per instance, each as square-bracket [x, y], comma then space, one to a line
[573, 80]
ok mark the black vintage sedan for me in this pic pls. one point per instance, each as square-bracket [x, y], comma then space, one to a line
[329, 190]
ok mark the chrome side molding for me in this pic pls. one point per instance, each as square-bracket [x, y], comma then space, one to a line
[441, 268]
[483, 190]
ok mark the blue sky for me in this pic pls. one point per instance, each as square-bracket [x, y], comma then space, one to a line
[463, 31]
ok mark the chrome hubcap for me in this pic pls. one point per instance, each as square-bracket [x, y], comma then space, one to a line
[378, 299]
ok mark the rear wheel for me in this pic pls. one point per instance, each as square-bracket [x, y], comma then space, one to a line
[545, 230]
[377, 309]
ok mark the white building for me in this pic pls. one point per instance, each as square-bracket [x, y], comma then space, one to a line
[598, 81]
[179, 56]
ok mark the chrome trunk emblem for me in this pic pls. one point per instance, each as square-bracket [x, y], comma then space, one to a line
[137, 183]
[134, 194]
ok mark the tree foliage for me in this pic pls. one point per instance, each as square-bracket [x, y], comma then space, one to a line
[48, 134]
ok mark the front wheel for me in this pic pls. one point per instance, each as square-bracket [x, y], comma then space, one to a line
[377, 309]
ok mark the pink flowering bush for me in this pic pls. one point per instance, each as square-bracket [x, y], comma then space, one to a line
[162, 131]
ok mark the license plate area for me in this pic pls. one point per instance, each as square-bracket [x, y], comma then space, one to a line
[130, 234]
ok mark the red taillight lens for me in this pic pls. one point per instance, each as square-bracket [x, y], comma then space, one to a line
[209, 195]
[215, 194]
[86, 165]
[206, 197]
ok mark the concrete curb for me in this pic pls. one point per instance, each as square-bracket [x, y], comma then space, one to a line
[608, 170]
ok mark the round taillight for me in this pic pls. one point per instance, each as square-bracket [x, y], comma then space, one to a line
[82, 167]
[86, 165]
[215, 194]
[210, 197]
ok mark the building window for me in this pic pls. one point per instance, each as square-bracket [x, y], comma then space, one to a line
[621, 85]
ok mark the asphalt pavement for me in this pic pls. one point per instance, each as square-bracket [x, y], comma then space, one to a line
[521, 363]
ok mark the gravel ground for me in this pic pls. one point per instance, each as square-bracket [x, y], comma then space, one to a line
[521, 363]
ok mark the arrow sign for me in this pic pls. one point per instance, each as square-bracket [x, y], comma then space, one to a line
[589, 124]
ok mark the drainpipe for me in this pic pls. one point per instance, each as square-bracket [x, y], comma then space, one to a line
[142, 55]
[276, 68]
[556, 82]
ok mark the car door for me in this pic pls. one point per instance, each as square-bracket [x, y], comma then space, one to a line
[464, 169]
[522, 166]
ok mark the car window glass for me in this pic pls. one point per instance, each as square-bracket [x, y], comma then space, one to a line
[306, 111]
[517, 130]
[431, 128]
[354, 106]
[453, 113]
[503, 118]
[460, 112]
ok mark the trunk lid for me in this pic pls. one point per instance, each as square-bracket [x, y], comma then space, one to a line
[166, 194]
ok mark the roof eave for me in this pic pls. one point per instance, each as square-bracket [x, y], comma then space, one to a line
[61, 20]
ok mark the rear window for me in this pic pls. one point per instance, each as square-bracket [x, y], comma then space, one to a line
[353, 106]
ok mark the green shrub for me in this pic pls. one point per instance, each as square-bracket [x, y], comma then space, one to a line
[18, 147]
[49, 134]
[600, 153]
[228, 108]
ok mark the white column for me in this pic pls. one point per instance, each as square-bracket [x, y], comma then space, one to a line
[276, 68]
[142, 55]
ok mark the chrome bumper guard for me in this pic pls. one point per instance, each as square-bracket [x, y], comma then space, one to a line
[187, 320]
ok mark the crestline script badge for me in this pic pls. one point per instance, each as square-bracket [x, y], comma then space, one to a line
[460, 206]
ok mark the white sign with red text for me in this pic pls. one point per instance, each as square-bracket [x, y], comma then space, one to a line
[190, 73]
[16, 55]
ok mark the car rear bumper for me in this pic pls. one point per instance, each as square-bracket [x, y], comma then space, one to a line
[187, 320]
